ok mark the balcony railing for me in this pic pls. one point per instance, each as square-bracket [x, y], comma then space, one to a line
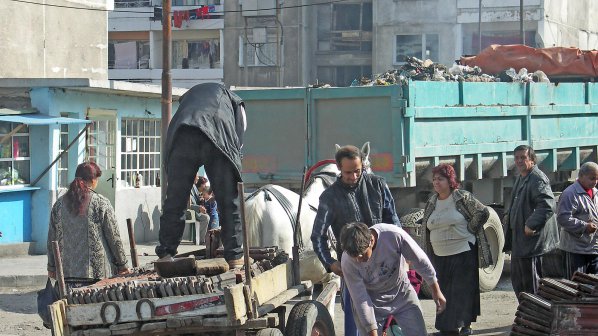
[132, 3]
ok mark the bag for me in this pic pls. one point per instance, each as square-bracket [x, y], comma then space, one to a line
[391, 328]
[46, 297]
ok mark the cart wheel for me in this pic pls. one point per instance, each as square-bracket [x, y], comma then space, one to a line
[309, 318]
[269, 332]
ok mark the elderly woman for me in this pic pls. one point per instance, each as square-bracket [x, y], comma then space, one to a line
[455, 220]
[84, 225]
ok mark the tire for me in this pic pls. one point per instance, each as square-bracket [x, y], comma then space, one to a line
[269, 332]
[309, 315]
[490, 276]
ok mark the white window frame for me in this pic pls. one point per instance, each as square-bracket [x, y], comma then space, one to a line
[63, 163]
[137, 145]
[23, 132]
[257, 60]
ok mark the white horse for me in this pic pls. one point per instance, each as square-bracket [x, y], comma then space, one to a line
[271, 211]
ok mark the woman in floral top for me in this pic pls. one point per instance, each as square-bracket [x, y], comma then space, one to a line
[83, 223]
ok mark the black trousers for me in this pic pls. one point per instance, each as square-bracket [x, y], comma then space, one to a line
[191, 150]
[584, 263]
[526, 274]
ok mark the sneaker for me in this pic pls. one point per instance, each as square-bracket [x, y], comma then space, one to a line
[465, 331]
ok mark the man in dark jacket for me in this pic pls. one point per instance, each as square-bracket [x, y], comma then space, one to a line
[530, 225]
[353, 197]
[206, 130]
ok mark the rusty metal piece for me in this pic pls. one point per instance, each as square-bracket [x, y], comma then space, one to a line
[527, 331]
[532, 318]
[532, 325]
[119, 293]
[549, 296]
[169, 289]
[556, 285]
[163, 289]
[199, 287]
[536, 300]
[535, 310]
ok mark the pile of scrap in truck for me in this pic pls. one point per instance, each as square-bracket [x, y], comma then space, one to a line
[559, 307]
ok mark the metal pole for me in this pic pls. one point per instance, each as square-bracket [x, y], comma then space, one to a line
[59, 271]
[480, 27]
[166, 87]
[521, 33]
[248, 289]
[297, 235]
[132, 245]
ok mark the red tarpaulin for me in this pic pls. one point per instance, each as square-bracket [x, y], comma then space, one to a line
[557, 61]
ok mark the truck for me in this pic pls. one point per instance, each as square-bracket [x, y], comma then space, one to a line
[414, 126]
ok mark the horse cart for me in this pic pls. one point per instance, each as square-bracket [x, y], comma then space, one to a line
[206, 301]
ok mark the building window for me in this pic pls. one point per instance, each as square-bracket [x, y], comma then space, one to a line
[196, 54]
[413, 46]
[258, 49]
[128, 55]
[195, 2]
[63, 163]
[471, 40]
[132, 3]
[345, 27]
[14, 154]
[140, 151]
[342, 75]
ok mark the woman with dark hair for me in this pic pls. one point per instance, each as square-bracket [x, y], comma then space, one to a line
[83, 223]
[454, 219]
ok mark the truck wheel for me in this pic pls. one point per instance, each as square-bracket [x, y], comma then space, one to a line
[308, 318]
[269, 332]
[490, 276]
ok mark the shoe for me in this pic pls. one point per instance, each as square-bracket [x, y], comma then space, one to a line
[465, 331]
[239, 263]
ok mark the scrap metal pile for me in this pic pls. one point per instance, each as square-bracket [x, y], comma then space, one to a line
[536, 313]
[205, 277]
[427, 70]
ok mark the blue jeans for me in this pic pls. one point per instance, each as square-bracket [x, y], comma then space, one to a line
[350, 327]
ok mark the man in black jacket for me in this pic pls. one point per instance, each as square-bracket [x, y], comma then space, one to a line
[206, 130]
[530, 225]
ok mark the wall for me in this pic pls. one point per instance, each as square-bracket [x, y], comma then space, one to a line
[52, 42]
[139, 204]
[570, 23]
[289, 73]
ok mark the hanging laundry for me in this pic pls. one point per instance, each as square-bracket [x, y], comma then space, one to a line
[185, 16]
[178, 19]
[205, 12]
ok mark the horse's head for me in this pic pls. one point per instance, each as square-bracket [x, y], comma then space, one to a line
[365, 160]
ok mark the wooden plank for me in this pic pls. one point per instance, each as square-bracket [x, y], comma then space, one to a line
[139, 310]
[273, 282]
[235, 302]
[57, 311]
[282, 298]
[153, 326]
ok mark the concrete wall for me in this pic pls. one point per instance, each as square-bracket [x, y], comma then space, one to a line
[139, 204]
[570, 23]
[288, 73]
[40, 41]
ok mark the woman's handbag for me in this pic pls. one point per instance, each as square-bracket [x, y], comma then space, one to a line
[46, 297]
[391, 328]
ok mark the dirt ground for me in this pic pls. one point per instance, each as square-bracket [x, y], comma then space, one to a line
[18, 312]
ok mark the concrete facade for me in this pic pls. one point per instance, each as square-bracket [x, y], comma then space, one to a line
[42, 41]
[131, 101]
[131, 22]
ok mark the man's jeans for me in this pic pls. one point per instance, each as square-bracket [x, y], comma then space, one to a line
[350, 327]
[192, 149]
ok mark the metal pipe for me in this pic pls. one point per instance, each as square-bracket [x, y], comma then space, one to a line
[480, 26]
[132, 245]
[521, 33]
[166, 86]
[297, 235]
[241, 192]
[59, 270]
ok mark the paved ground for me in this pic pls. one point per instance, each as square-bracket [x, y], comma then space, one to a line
[21, 277]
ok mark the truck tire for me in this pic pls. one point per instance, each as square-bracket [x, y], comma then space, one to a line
[269, 332]
[307, 317]
[490, 276]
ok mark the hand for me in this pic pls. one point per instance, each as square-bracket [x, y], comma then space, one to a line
[591, 227]
[202, 209]
[373, 333]
[529, 232]
[438, 298]
[335, 267]
[52, 275]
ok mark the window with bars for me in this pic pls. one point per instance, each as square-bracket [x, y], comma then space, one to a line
[14, 154]
[140, 151]
[63, 163]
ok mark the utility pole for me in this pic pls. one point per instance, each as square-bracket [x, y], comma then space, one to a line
[166, 88]
[480, 27]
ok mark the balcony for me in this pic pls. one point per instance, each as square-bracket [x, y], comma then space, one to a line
[180, 77]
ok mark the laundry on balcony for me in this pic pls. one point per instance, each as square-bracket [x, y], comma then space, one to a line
[200, 13]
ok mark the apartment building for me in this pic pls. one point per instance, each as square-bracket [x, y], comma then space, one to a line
[135, 41]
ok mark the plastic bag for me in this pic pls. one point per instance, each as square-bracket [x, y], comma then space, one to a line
[391, 328]
[46, 297]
